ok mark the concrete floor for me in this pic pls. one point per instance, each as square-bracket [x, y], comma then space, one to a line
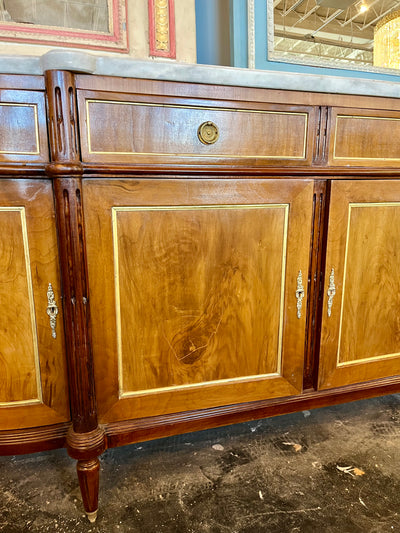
[330, 470]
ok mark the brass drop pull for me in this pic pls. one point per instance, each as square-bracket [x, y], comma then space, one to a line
[208, 133]
[299, 293]
[52, 310]
[331, 291]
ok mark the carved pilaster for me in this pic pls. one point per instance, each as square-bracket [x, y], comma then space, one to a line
[85, 440]
[62, 116]
[71, 232]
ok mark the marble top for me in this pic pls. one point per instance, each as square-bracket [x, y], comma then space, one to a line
[170, 70]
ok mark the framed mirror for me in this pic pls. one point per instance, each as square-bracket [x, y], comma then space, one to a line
[92, 24]
[361, 35]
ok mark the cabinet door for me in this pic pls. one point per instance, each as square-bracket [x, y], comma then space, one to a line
[361, 331]
[193, 291]
[33, 388]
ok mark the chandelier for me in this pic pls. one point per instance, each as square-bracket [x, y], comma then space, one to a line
[387, 41]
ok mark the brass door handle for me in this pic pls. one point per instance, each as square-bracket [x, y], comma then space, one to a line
[52, 310]
[299, 293]
[208, 133]
[331, 291]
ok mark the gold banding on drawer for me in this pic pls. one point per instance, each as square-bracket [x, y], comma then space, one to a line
[364, 140]
[126, 131]
[23, 133]
[16, 140]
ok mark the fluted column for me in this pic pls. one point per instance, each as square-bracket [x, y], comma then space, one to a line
[85, 440]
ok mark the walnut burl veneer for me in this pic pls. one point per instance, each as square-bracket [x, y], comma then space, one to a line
[177, 256]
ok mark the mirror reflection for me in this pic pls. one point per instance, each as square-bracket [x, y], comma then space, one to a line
[361, 34]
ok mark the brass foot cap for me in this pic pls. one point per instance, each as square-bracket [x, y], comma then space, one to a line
[92, 516]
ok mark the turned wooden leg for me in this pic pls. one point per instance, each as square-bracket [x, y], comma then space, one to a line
[88, 475]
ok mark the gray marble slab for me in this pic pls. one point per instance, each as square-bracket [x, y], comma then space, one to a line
[173, 71]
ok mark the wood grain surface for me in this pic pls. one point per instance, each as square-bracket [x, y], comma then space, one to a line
[200, 293]
[19, 376]
[155, 88]
[23, 130]
[189, 298]
[371, 283]
[121, 128]
[26, 270]
[132, 127]
[361, 339]
[364, 138]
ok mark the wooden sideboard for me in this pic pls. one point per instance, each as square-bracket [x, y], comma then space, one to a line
[181, 256]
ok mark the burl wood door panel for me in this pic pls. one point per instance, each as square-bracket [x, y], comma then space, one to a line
[193, 291]
[33, 389]
[361, 337]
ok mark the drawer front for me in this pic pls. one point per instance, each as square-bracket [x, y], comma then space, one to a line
[23, 132]
[364, 138]
[121, 130]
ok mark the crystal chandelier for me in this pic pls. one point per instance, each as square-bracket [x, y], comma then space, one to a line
[387, 41]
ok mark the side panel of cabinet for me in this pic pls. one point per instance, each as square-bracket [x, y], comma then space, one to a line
[193, 291]
[33, 389]
[361, 337]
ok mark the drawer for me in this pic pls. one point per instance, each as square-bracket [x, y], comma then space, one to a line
[364, 138]
[23, 131]
[135, 130]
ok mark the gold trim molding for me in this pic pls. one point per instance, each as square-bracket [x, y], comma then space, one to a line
[39, 399]
[34, 107]
[335, 157]
[365, 359]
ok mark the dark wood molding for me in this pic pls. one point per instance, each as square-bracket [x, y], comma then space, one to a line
[85, 439]
[75, 302]
[182, 90]
[65, 170]
[320, 150]
[142, 429]
[16, 170]
[203, 169]
[316, 282]
[62, 117]
[85, 446]
[24, 82]
[33, 440]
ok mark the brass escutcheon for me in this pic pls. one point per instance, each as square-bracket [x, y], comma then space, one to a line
[208, 133]
[52, 310]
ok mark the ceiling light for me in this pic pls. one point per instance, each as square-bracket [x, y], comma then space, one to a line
[363, 8]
